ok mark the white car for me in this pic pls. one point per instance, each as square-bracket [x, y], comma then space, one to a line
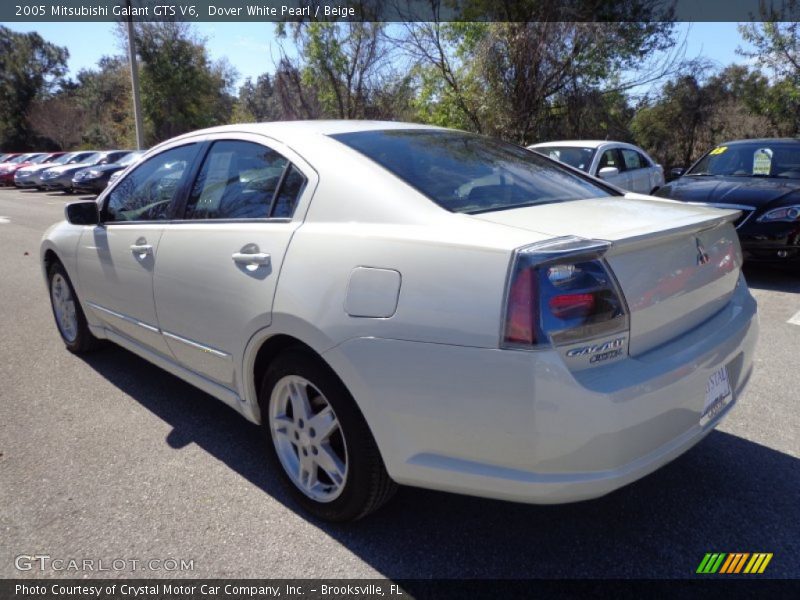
[623, 165]
[404, 304]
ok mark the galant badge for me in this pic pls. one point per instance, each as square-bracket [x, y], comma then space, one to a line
[702, 255]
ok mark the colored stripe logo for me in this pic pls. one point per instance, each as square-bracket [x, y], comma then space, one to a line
[734, 562]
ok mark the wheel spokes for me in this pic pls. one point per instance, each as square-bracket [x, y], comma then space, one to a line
[331, 464]
[324, 423]
[304, 430]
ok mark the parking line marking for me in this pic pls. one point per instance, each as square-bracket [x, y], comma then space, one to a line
[795, 320]
[4, 220]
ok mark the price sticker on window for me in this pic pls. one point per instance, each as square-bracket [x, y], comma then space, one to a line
[762, 161]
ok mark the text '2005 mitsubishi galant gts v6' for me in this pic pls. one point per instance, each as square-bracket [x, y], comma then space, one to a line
[404, 304]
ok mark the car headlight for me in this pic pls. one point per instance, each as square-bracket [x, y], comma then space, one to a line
[784, 214]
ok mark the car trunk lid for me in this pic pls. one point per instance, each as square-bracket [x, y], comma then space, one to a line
[676, 264]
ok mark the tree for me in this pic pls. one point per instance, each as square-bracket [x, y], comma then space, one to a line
[104, 96]
[29, 67]
[776, 43]
[502, 78]
[182, 89]
[257, 101]
[345, 71]
[695, 112]
[58, 118]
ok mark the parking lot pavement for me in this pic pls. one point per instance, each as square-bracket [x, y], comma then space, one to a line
[109, 457]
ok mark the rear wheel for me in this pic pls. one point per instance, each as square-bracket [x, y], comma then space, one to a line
[70, 320]
[320, 441]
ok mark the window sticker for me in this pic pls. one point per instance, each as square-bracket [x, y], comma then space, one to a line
[718, 150]
[762, 161]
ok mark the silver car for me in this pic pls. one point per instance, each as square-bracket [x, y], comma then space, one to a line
[623, 165]
[397, 303]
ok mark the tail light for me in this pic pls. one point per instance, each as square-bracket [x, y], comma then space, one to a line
[559, 292]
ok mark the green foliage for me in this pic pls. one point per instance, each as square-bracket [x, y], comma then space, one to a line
[343, 71]
[691, 114]
[257, 101]
[181, 89]
[512, 79]
[104, 96]
[29, 66]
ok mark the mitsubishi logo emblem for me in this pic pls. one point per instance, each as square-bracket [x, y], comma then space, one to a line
[702, 255]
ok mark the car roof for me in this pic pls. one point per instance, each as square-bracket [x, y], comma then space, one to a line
[286, 131]
[321, 126]
[762, 141]
[582, 143]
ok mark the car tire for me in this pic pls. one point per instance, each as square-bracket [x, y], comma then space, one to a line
[67, 311]
[337, 473]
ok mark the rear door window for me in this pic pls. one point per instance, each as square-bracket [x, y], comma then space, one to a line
[244, 180]
[633, 160]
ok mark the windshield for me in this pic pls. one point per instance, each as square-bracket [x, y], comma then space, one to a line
[463, 172]
[21, 158]
[79, 157]
[92, 159]
[63, 159]
[39, 159]
[756, 159]
[575, 156]
[130, 159]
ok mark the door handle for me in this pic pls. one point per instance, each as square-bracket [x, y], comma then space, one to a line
[142, 249]
[254, 258]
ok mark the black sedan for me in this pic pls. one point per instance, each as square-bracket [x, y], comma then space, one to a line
[762, 179]
[94, 180]
[60, 177]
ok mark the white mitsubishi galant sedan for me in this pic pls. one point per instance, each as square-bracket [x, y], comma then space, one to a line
[404, 304]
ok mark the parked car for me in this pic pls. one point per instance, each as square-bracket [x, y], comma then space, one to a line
[624, 165]
[760, 178]
[95, 179]
[401, 303]
[8, 156]
[60, 178]
[8, 169]
[42, 162]
[31, 176]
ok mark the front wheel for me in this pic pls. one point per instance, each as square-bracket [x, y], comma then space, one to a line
[70, 320]
[320, 441]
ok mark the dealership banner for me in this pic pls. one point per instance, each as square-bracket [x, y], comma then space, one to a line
[397, 10]
[386, 589]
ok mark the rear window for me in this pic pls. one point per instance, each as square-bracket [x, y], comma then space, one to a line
[468, 173]
[575, 156]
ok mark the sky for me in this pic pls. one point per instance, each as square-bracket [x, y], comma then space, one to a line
[252, 48]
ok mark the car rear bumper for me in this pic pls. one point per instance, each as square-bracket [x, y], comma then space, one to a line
[520, 426]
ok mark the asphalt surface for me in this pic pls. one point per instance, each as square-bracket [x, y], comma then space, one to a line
[108, 457]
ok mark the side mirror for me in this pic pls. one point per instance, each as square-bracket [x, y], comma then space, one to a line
[677, 172]
[607, 172]
[82, 213]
